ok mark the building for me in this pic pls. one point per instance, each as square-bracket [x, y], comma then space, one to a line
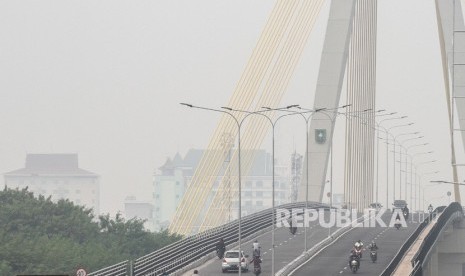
[174, 177]
[58, 176]
[134, 208]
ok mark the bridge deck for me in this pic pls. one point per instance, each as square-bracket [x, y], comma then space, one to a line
[405, 265]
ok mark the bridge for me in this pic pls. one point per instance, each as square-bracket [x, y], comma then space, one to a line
[430, 244]
[427, 245]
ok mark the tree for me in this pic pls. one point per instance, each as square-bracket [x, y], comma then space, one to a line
[38, 236]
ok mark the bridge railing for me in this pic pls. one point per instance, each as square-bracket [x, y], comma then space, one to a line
[411, 239]
[450, 212]
[174, 257]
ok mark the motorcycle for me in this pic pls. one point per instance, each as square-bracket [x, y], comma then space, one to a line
[220, 253]
[354, 264]
[257, 268]
[373, 255]
[397, 225]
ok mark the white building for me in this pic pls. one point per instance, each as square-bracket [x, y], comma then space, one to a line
[134, 208]
[175, 175]
[58, 176]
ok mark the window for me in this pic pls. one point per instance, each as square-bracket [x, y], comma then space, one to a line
[248, 194]
[259, 184]
[259, 194]
[248, 203]
[248, 184]
[259, 203]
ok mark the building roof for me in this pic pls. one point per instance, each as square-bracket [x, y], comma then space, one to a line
[261, 164]
[51, 164]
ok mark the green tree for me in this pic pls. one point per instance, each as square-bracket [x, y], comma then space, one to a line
[38, 236]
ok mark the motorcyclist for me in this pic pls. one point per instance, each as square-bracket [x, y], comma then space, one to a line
[353, 256]
[256, 248]
[220, 248]
[405, 211]
[292, 225]
[430, 208]
[373, 246]
[358, 244]
[256, 265]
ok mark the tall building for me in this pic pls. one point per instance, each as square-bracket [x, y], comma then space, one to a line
[58, 176]
[174, 177]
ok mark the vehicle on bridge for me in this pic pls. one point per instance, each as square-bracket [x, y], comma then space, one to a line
[399, 204]
[231, 261]
[376, 205]
[354, 262]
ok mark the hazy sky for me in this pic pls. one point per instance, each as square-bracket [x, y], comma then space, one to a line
[104, 79]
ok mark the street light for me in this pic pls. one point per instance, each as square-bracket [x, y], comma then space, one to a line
[420, 164]
[350, 115]
[273, 124]
[400, 158]
[411, 171]
[307, 120]
[394, 157]
[320, 110]
[379, 126]
[239, 124]
[401, 144]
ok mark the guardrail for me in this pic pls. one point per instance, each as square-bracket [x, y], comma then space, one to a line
[411, 239]
[450, 212]
[172, 258]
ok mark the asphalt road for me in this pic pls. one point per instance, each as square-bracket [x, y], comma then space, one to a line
[288, 247]
[334, 259]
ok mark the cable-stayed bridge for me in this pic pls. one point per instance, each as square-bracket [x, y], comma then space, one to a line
[349, 53]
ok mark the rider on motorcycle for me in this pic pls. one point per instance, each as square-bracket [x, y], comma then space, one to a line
[373, 246]
[220, 248]
[353, 256]
[256, 248]
[358, 244]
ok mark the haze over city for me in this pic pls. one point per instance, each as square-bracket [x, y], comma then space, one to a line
[105, 79]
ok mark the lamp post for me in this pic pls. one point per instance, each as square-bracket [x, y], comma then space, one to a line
[273, 124]
[307, 120]
[394, 157]
[351, 114]
[411, 171]
[400, 159]
[406, 149]
[387, 151]
[322, 111]
[421, 164]
[239, 125]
